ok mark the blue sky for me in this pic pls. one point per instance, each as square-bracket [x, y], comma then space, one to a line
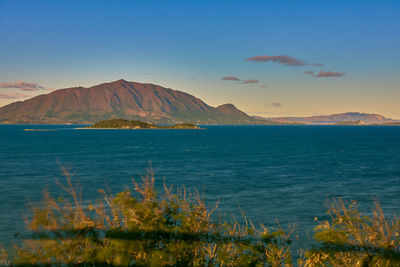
[192, 45]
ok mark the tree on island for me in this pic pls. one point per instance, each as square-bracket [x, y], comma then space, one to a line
[135, 124]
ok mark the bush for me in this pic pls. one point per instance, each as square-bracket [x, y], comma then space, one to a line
[352, 239]
[141, 228]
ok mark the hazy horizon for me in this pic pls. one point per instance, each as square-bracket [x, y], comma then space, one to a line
[303, 58]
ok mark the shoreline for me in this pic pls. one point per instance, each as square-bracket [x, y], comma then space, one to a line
[89, 128]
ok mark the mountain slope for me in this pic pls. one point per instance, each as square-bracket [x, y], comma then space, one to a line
[120, 99]
[364, 118]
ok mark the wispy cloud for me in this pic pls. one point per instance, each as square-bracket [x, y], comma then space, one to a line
[24, 86]
[330, 74]
[323, 74]
[230, 78]
[236, 79]
[250, 81]
[12, 95]
[282, 59]
[274, 105]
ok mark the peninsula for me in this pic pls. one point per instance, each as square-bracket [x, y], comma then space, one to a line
[135, 124]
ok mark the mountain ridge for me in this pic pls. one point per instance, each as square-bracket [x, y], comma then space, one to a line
[363, 118]
[148, 102]
[121, 99]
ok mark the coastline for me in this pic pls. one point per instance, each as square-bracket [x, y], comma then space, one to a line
[90, 128]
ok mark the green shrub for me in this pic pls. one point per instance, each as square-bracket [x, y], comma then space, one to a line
[353, 239]
[138, 227]
[175, 229]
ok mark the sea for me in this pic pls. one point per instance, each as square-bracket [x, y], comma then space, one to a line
[275, 174]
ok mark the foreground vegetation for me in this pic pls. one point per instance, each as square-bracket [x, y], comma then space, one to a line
[134, 124]
[141, 228]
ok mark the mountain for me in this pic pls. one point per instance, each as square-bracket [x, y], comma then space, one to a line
[151, 103]
[231, 110]
[121, 99]
[360, 118]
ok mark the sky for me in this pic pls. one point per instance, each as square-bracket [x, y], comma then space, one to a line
[269, 58]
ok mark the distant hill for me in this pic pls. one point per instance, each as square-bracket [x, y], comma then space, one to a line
[343, 118]
[121, 99]
[231, 110]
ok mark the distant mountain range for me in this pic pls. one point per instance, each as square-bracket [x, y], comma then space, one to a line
[121, 99]
[348, 118]
[150, 103]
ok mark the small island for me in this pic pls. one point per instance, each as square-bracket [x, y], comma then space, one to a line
[135, 124]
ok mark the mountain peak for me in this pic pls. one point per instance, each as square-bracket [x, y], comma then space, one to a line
[119, 81]
[227, 106]
[354, 113]
[230, 110]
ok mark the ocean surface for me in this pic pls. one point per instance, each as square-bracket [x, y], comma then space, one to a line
[270, 172]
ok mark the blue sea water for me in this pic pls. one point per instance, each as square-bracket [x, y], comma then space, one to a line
[270, 172]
